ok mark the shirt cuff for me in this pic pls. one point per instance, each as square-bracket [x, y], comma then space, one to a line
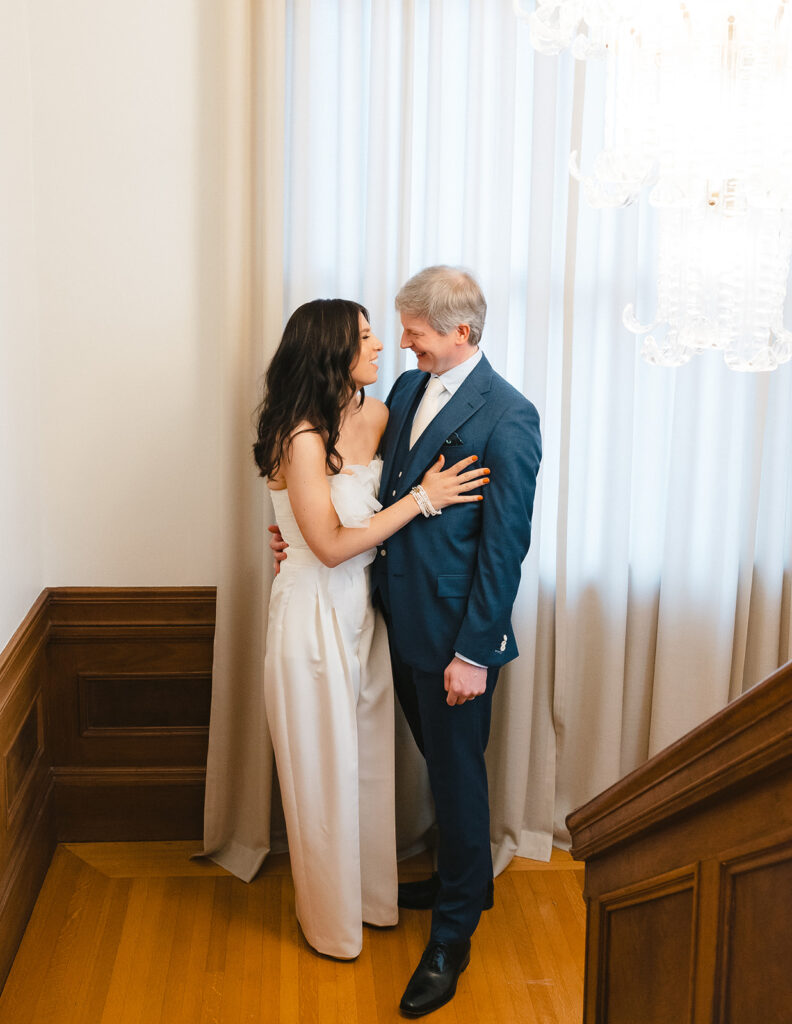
[468, 660]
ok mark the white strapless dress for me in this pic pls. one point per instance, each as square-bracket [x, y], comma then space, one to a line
[329, 701]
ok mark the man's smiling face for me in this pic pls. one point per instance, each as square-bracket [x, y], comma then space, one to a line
[435, 352]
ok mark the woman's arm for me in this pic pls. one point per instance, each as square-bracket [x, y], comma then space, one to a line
[309, 495]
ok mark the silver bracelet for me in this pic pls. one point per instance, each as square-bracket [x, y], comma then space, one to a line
[420, 495]
[423, 502]
[432, 510]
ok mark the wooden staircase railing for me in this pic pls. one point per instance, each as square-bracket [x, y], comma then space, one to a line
[689, 875]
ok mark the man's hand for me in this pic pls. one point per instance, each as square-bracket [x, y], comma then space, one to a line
[278, 546]
[463, 681]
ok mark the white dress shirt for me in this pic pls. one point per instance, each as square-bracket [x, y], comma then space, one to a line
[452, 380]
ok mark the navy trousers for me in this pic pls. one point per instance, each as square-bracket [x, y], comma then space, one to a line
[453, 741]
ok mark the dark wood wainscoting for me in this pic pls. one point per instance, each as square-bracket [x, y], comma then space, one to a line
[689, 875]
[27, 824]
[130, 675]
[104, 723]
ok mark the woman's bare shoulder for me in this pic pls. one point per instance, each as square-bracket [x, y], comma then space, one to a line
[305, 431]
[305, 441]
[304, 446]
[377, 410]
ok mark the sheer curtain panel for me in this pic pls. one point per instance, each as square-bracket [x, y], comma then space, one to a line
[370, 139]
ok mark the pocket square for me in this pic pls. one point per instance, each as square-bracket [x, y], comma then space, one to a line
[453, 441]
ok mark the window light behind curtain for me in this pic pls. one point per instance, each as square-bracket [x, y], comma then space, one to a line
[658, 583]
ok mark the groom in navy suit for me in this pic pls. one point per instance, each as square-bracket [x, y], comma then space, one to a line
[447, 584]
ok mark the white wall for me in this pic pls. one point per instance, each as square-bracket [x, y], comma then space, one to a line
[21, 571]
[125, 150]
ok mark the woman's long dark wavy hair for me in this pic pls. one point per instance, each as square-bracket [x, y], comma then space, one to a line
[309, 380]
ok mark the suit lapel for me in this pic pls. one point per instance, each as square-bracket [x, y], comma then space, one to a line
[402, 409]
[468, 399]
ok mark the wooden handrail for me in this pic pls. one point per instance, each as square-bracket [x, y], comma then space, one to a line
[745, 738]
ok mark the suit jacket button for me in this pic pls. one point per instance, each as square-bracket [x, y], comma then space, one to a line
[383, 552]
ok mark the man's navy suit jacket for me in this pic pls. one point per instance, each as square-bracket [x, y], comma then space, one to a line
[448, 583]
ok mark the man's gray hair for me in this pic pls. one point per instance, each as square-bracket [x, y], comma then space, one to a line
[445, 297]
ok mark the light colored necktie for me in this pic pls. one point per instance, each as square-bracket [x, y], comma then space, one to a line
[427, 410]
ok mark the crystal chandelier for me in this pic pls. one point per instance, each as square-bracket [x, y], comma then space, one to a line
[698, 110]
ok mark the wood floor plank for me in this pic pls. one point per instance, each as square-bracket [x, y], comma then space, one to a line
[214, 972]
[160, 945]
[136, 933]
[176, 976]
[392, 966]
[56, 995]
[345, 993]
[250, 956]
[231, 1006]
[560, 860]
[531, 987]
[121, 1003]
[530, 931]
[363, 979]
[501, 959]
[199, 938]
[151, 949]
[561, 924]
[93, 916]
[309, 966]
[51, 909]
[289, 957]
[271, 946]
[109, 931]
[555, 956]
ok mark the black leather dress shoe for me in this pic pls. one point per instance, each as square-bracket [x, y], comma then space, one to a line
[434, 980]
[421, 895]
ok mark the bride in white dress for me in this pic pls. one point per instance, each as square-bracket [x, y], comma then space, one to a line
[327, 677]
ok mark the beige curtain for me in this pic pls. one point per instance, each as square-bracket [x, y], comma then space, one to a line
[673, 562]
[366, 141]
[281, 244]
[240, 763]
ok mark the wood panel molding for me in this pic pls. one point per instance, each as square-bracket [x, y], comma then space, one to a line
[23, 648]
[132, 606]
[27, 832]
[22, 758]
[645, 907]
[755, 886]
[89, 777]
[24, 868]
[168, 703]
[115, 804]
[129, 700]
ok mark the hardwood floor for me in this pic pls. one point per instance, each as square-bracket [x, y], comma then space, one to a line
[136, 933]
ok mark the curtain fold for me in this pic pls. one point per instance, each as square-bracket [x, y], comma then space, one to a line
[239, 778]
[366, 141]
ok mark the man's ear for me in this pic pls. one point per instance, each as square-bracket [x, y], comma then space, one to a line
[462, 334]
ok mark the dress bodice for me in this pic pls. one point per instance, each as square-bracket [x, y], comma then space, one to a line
[353, 493]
